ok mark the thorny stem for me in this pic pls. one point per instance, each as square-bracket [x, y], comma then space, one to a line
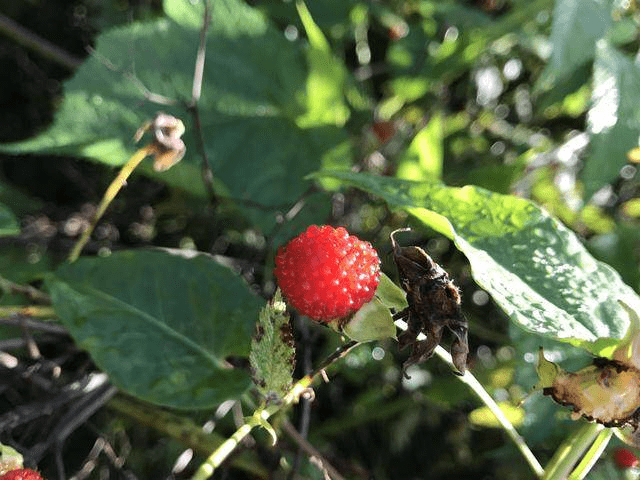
[262, 414]
[479, 390]
[109, 195]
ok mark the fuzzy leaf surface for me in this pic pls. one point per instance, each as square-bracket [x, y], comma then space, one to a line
[273, 350]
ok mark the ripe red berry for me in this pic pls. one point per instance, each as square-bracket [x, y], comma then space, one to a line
[21, 474]
[625, 458]
[325, 273]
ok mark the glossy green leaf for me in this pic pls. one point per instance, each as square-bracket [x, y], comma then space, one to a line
[256, 87]
[160, 323]
[577, 26]
[534, 267]
[614, 117]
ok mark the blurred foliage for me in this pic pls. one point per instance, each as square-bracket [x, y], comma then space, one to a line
[523, 104]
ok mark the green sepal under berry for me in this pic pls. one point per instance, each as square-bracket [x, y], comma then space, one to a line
[10, 459]
[273, 355]
[374, 321]
[390, 294]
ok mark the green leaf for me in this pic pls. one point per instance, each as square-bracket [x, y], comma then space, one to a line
[160, 323]
[391, 295]
[423, 159]
[420, 69]
[10, 459]
[614, 117]
[373, 321]
[327, 77]
[255, 89]
[8, 222]
[577, 26]
[536, 269]
[273, 354]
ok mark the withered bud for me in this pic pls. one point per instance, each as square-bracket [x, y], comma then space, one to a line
[166, 147]
[434, 303]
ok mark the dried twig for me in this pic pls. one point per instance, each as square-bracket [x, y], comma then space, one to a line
[311, 450]
[36, 43]
[32, 324]
[33, 294]
[202, 47]
[196, 90]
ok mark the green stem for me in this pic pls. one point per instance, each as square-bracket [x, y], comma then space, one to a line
[479, 390]
[571, 450]
[591, 457]
[262, 414]
[109, 195]
[259, 417]
[183, 430]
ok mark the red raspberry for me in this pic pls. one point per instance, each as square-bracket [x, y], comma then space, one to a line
[325, 273]
[21, 474]
[625, 458]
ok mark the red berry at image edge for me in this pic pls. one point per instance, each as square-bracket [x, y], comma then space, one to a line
[625, 458]
[325, 273]
[21, 474]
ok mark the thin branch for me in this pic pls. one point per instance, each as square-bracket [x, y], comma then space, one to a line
[184, 430]
[305, 403]
[479, 390]
[310, 450]
[41, 311]
[200, 56]
[31, 293]
[32, 324]
[36, 43]
[207, 173]
[93, 396]
[196, 90]
[109, 195]
[593, 454]
[146, 93]
[262, 414]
